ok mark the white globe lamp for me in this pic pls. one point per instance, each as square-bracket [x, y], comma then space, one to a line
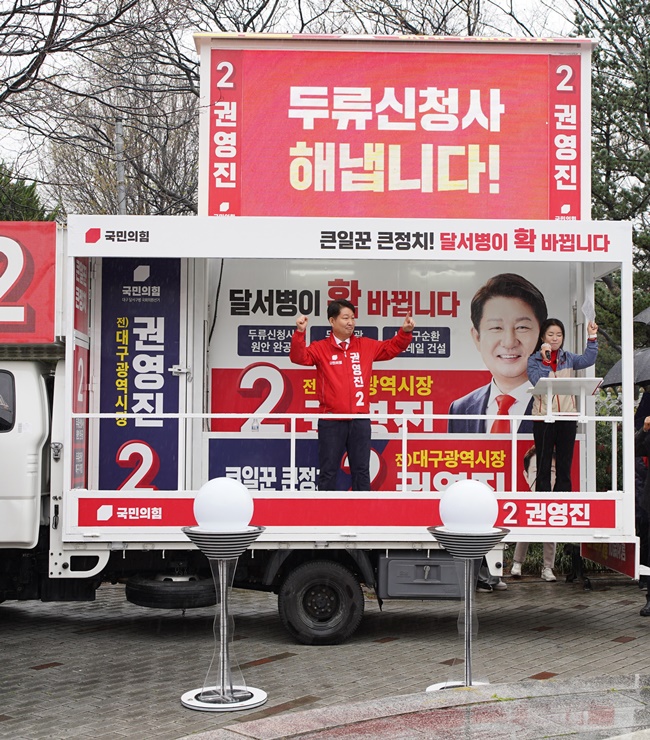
[469, 506]
[223, 505]
[223, 509]
[468, 510]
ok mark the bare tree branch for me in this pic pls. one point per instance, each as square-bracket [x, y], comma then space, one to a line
[73, 67]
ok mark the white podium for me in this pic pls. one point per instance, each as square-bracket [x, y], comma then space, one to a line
[580, 387]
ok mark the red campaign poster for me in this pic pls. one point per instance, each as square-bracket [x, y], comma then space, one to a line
[377, 133]
[433, 463]
[79, 478]
[564, 139]
[262, 387]
[619, 556]
[27, 282]
[81, 356]
[448, 370]
[81, 301]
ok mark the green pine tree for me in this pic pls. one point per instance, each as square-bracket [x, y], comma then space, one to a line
[19, 200]
[620, 152]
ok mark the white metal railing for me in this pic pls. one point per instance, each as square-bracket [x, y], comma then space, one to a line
[403, 420]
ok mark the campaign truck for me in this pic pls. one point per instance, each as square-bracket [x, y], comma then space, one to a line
[141, 356]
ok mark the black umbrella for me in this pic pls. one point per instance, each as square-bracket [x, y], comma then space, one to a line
[641, 370]
[643, 317]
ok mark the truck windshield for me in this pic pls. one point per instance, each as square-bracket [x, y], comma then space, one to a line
[7, 401]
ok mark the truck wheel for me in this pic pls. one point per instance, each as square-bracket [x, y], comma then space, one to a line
[170, 594]
[320, 603]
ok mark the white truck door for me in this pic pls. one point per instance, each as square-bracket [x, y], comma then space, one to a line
[24, 425]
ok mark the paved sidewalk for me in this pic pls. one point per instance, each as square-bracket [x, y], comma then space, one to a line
[109, 669]
[581, 710]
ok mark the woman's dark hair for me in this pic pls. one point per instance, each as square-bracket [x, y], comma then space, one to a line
[545, 327]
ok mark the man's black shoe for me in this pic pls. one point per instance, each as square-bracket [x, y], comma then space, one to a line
[484, 586]
[645, 612]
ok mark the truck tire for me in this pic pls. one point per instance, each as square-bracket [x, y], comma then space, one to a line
[321, 603]
[160, 594]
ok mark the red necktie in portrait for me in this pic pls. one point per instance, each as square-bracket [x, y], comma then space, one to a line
[344, 346]
[502, 426]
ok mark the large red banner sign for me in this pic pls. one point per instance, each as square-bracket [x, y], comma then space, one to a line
[27, 282]
[373, 133]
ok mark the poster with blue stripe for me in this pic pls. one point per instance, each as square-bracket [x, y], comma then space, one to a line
[140, 341]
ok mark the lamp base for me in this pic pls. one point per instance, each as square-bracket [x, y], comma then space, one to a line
[453, 685]
[244, 697]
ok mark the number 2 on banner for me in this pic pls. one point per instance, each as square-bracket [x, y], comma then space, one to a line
[145, 462]
[511, 516]
[275, 381]
[81, 385]
[224, 80]
[563, 85]
[15, 259]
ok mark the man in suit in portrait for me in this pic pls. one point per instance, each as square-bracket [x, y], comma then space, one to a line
[506, 315]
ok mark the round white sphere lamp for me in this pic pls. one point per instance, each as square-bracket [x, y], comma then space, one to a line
[223, 509]
[223, 505]
[469, 506]
[469, 510]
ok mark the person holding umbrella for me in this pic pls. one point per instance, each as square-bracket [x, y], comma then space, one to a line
[557, 439]
[641, 364]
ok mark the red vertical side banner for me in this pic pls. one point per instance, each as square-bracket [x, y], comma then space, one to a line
[80, 426]
[565, 148]
[80, 358]
[81, 305]
[226, 111]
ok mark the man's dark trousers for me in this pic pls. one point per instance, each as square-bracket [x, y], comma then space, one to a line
[335, 436]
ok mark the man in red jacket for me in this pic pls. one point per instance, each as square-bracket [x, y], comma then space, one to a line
[343, 369]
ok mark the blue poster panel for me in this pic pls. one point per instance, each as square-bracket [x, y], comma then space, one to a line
[140, 341]
[264, 464]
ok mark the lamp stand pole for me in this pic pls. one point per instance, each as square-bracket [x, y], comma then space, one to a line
[469, 610]
[466, 546]
[222, 550]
